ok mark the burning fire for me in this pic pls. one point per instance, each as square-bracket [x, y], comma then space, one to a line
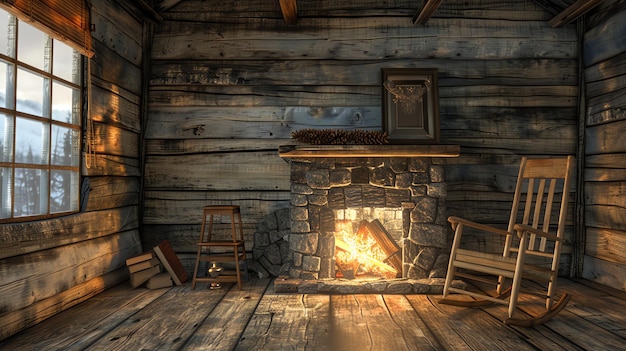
[359, 252]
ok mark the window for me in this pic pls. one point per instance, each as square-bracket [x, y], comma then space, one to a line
[40, 122]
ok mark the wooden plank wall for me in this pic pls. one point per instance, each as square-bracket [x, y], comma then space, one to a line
[48, 266]
[230, 81]
[604, 54]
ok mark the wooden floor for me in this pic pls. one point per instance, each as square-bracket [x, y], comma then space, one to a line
[259, 319]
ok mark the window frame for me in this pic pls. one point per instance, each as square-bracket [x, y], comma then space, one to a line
[46, 118]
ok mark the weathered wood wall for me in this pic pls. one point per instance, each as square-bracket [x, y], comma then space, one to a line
[604, 59]
[48, 266]
[230, 81]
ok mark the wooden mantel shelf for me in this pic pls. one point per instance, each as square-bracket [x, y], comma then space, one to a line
[313, 151]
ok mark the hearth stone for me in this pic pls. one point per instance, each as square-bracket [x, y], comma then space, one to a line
[432, 286]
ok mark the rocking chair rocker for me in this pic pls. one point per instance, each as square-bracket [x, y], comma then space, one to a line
[531, 251]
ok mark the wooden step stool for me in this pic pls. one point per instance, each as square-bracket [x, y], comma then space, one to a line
[229, 250]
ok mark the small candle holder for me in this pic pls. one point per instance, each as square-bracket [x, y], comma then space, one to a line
[215, 270]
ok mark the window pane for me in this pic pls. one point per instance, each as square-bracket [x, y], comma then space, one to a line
[65, 103]
[6, 84]
[32, 93]
[33, 46]
[31, 144]
[64, 146]
[66, 62]
[7, 33]
[63, 191]
[6, 138]
[31, 192]
[5, 192]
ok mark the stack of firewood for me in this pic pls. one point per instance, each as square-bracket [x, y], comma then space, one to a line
[340, 137]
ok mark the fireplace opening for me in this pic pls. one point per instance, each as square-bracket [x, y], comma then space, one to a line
[364, 247]
[361, 253]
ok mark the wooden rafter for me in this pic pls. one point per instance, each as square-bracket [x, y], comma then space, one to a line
[164, 5]
[143, 8]
[553, 6]
[426, 12]
[574, 11]
[289, 10]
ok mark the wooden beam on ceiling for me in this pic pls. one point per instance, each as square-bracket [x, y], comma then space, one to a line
[164, 5]
[426, 12]
[144, 9]
[290, 11]
[553, 6]
[574, 11]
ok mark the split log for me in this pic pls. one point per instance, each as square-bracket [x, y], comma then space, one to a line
[387, 270]
[386, 243]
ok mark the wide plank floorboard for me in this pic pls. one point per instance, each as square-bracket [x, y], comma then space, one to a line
[80, 326]
[165, 325]
[258, 318]
[416, 334]
[288, 322]
[375, 322]
[597, 307]
[225, 324]
[458, 328]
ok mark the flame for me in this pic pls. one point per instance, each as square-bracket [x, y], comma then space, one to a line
[359, 249]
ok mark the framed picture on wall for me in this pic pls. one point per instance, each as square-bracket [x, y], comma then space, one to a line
[410, 105]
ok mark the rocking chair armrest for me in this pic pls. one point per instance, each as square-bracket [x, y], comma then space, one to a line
[526, 228]
[456, 221]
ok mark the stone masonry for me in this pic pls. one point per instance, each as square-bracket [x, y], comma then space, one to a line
[412, 185]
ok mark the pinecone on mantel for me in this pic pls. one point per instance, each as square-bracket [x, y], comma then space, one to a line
[340, 137]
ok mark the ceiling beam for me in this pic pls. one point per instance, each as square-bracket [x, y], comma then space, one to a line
[426, 12]
[141, 9]
[553, 6]
[289, 10]
[164, 5]
[574, 11]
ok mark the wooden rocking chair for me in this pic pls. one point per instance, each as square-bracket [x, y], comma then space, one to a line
[531, 246]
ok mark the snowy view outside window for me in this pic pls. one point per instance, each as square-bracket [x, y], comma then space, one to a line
[40, 116]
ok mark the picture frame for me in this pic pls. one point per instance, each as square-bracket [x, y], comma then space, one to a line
[410, 105]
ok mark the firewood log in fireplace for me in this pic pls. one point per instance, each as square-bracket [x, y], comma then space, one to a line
[388, 271]
[386, 243]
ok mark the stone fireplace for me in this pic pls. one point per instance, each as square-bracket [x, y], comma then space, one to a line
[401, 187]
